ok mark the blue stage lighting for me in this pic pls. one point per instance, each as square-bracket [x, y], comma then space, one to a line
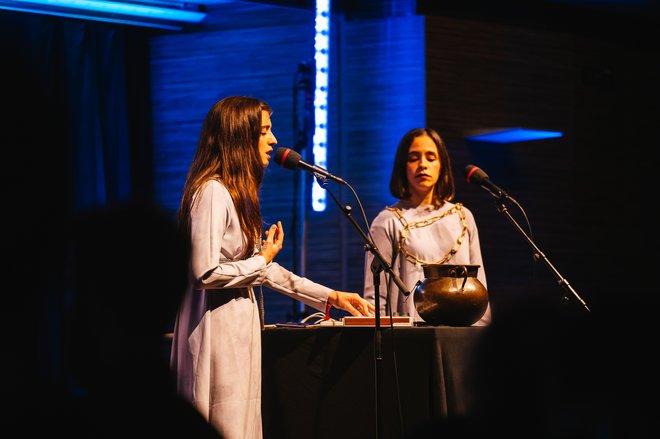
[139, 14]
[321, 60]
[511, 135]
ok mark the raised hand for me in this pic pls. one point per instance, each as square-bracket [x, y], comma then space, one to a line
[273, 241]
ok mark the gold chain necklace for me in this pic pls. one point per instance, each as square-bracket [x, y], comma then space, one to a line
[408, 227]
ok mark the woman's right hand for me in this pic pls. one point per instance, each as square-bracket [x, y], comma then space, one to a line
[272, 244]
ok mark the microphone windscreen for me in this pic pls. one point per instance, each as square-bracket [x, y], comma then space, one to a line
[287, 158]
[475, 174]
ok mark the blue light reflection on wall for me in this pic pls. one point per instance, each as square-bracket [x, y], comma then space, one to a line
[514, 135]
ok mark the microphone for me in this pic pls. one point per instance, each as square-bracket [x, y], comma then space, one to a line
[476, 175]
[290, 159]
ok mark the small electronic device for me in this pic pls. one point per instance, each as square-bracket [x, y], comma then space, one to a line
[371, 321]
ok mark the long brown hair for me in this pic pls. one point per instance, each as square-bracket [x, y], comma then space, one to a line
[399, 186]
[228, 151]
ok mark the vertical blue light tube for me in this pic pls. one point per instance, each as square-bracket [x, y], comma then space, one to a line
[321, 61]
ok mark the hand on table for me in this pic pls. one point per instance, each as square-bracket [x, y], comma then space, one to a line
[351, 302]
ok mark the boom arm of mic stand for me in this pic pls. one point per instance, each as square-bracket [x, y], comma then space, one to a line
[501, 207]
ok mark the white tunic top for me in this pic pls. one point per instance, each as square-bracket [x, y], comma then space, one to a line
[216, 350]
[428, 242]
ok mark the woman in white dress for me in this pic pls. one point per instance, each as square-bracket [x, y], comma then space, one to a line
[424, 226]
[216, 350]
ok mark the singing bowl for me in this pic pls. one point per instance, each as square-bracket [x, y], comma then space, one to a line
[450, 295]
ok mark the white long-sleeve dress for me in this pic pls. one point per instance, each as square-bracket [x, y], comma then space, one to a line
[216, 348]
[431, 235]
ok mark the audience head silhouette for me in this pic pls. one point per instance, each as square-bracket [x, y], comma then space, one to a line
[129, 268]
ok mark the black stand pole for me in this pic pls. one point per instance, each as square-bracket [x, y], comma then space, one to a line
[303, 128]
[538, 254]
[377, 266]
[376, 269]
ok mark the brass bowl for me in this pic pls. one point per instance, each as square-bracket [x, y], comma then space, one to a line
[450, 295]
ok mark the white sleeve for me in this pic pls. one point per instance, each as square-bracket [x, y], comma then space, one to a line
[212, 241]
[210, 218]
[300, 288]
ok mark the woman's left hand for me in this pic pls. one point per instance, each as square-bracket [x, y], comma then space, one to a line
[351, 302]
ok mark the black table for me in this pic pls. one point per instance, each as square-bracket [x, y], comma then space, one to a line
[319, 382]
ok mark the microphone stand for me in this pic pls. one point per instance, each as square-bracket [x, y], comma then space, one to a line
[538, 254]
[377, 266]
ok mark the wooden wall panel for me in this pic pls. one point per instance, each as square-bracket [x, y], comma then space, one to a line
[599, 92]
[583, 193]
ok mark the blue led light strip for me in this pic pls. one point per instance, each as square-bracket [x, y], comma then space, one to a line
[321, 60]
